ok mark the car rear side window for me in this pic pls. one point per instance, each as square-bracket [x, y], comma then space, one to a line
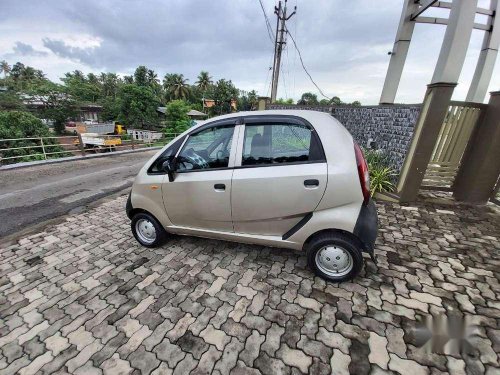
[278, 144]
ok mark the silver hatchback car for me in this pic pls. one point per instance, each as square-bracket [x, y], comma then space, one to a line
[291, 179]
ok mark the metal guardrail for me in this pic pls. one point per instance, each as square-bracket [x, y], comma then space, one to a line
[15, 150]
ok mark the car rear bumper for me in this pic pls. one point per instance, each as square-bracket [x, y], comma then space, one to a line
[366, 228]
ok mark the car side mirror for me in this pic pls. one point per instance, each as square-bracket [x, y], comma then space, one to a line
[168, 167]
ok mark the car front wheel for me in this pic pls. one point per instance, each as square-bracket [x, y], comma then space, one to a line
[334, 257]
[147, 230]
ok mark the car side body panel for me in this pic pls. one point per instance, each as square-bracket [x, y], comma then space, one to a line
[271, 200]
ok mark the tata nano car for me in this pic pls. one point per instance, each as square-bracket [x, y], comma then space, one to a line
[290, 179]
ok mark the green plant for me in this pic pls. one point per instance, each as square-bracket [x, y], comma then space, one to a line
[381, 179]
[381, 175]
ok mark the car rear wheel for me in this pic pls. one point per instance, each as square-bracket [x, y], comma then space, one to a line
[334, 256]
[147, 230]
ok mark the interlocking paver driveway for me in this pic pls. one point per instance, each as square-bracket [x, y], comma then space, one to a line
[83, 297]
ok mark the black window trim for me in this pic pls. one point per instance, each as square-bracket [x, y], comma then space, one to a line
[250, 119]
[280, 119]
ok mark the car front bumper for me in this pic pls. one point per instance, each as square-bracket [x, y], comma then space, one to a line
[128, 206]
[366, 228]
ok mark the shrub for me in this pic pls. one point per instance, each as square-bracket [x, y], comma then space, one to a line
[18, 124]
[381, 174]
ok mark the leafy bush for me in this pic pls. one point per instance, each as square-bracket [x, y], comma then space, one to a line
[17, 124]
[178, 120]
[381, 174]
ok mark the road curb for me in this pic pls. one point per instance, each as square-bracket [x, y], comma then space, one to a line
[73, 158]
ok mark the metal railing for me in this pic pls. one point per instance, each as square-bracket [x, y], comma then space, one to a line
[15, 150]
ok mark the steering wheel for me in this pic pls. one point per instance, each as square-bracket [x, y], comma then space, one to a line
[196, 160]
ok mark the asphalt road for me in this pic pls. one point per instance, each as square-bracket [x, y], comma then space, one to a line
[32, 195]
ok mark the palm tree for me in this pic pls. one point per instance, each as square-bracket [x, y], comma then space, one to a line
[152, 77]
[204, 81]
[5, 68]
[176, 85]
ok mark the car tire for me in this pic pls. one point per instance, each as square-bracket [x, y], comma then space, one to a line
[334, 256]
[147, 230]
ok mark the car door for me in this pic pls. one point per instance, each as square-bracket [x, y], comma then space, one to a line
[280, 175]
[199, 197]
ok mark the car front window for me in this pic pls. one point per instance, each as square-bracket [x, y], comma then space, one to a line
[207, 149]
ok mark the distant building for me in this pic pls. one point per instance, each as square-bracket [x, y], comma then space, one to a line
[86, 112]
[208, 103]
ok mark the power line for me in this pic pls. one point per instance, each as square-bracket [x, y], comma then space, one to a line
[303, 66]
[268, 24]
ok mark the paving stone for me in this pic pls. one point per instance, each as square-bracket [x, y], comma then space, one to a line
[186, 365]
[88, 369]
[169, 353]
[405, 366]
[192, 344]
[272, 340]
[116, 365]
[269, 365]
[83, 356]
[215, 337]
[242, 369]
[295, 358]
[36, 364]
[339, 363]
[378, 350]
[229, 356]
[207, 361]
[252, 348]
[256, 322]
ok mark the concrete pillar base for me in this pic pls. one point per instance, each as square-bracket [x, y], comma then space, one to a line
[434, 109]
[480, 166]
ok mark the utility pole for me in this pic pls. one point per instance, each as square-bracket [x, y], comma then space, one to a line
[278, 46]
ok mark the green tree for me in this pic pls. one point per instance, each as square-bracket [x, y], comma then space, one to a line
[138, 106]
[141, 76]
[285, 101]
[10, 101]
[176, 86]
[17, 124]
[336, 101]
[308, 98]
[356, 103]
[178, 120]
[57, 104]
[247, 101]
[5, 68]
[204, 81]
[223, 94]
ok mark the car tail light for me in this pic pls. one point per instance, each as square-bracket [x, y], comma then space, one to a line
[364, 175]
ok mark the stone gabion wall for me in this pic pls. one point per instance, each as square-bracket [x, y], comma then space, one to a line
[390, 126]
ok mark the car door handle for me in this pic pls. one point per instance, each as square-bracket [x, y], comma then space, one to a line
[220, 187]
[311, 183]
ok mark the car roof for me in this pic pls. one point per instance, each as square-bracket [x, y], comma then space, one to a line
[316, 118]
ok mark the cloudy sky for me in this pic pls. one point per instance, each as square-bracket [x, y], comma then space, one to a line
[344, 43]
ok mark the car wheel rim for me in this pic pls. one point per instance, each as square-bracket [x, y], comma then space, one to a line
[334, 261]
[145, 231]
